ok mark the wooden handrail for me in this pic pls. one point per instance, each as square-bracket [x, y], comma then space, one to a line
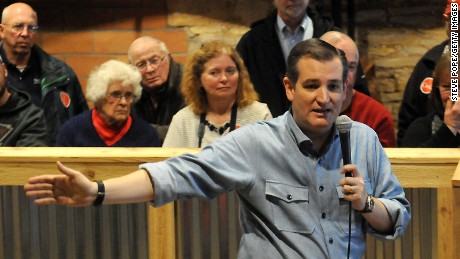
[424, 167]
[17, 164]
[415, 168]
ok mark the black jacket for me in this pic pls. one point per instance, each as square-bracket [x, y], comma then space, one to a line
[170, 101]
[416, 104]
[419, 134]
[22, 124]
[62, 95]
[263, 56]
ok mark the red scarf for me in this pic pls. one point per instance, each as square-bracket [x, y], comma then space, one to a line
[108, 135]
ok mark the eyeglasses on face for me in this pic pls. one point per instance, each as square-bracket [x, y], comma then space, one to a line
[153, 61]
[19, 27]
[116, 96]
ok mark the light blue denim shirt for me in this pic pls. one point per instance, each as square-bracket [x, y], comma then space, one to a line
[290, 204]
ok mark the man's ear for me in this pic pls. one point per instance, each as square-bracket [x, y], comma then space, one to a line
[2, 31]
[289, 88]
[345, 88]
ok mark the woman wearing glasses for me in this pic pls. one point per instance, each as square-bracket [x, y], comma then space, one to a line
[112, 88]
[440, 129]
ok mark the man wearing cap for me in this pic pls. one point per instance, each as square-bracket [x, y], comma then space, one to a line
[415, 102]
[51, 84]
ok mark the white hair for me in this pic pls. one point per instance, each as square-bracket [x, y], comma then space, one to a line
[107, 73]
[147, 40]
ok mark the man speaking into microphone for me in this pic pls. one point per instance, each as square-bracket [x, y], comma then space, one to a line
[288, 173]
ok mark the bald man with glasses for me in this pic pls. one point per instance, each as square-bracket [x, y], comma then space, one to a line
[161, 77]
[51, 83]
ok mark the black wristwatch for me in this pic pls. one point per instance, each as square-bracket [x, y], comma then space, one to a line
[369, 205]
[100, 194]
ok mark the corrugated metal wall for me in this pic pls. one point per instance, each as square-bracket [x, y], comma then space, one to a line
[208, 229]
[419, 240]
[205, 229]
[54, 232]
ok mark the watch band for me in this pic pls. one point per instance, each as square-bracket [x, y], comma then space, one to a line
[100, 194]
[369, 205]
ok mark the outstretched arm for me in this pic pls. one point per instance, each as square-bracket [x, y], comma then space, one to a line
[74, 189]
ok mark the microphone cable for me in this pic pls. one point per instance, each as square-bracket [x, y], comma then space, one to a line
[349, 229]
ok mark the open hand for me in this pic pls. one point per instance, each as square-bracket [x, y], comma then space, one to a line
[70, 189]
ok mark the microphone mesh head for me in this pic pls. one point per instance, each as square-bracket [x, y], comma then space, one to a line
[343, 123]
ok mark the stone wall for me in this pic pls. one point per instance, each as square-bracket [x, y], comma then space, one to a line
[391, 35]
[392, 54]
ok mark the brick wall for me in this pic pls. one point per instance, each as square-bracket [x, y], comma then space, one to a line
[87, 33]
[391, 35]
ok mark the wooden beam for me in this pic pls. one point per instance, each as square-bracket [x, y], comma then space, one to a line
[424, 167]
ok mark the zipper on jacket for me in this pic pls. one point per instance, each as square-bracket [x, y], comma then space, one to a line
[44, 84]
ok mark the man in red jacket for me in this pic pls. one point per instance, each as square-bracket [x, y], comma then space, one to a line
[360, 107]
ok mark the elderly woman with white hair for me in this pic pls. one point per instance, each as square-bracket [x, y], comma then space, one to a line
[112, 87]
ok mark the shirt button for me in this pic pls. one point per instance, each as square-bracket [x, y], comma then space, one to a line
[331, 240]
[289, 197]
[321, 188]
[323, 215]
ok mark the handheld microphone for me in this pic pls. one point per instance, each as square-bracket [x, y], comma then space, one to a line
[343, 124]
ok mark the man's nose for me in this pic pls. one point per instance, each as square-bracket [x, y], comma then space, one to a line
[323, 94]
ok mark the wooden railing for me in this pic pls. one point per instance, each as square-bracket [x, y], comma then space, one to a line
[415, 168]
[432, 168]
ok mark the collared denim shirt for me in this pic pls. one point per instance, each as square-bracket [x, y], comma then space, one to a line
[289, 198]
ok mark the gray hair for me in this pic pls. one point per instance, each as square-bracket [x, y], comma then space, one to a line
[107, 73]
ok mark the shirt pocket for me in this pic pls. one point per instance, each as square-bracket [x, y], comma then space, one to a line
[290, 207]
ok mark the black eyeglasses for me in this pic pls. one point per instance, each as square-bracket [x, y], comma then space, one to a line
[19, 27]
[116, 96]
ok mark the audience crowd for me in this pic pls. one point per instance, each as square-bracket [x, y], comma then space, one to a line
[47, 85]
[154, 101]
